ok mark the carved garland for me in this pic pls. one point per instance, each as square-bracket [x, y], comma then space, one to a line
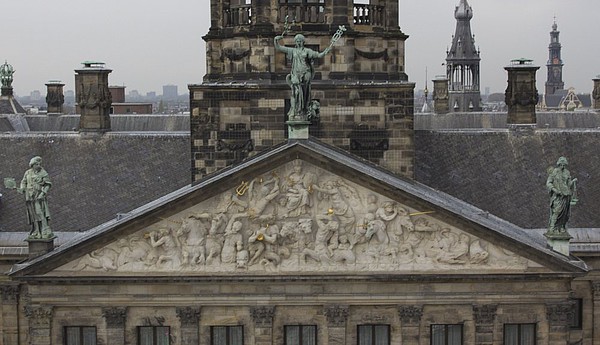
[596, 289]
[234, 55]
[336, 315]
[10, 293]
[262, 316]
[115, 317]
[484, 314]
[410, 315]
[560, 314]
[39, 317]
[189, 316]
[373, 55]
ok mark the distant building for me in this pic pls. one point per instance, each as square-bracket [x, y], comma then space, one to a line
[151, 94]
[555, 64]
[462, 64]
[35, 95]
[170, 91]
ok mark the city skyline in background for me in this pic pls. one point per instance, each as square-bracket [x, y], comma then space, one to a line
[164, 45]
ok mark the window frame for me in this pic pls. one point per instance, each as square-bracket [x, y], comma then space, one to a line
[285, 330]
[154, 334]
[446, 327]
[373, 333]
[519, 327]
[227, 334]
[577, 322]
[66, 338]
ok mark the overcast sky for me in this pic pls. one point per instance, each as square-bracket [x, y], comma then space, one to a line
[150, 43]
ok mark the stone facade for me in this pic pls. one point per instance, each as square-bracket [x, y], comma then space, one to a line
[366, 99]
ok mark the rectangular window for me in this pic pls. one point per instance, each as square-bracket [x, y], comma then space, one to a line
[154, 335]
[446, 334]
[80, 335]
[227, 335]
[519, 334]
[373, 334]
[576, 322]
[301, 335]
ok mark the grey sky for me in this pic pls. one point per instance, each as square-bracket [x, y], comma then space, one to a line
[150, 43]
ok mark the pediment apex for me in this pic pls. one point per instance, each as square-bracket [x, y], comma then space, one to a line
[302, 208]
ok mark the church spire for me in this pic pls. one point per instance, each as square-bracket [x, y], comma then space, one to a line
[554, 81]
[462, 63]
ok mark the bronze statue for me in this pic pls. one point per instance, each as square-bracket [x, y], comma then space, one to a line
[563, 194]
[35, 185]
[302, 106]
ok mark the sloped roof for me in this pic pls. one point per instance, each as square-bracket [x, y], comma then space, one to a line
[345, 165]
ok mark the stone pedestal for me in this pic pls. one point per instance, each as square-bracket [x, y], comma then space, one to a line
[40, 246]
[55, 97]
[298, 129]
[410, 316]
[559, 242]
[521, 94]
[40, 321]
[115, 324]
[190, 318]
[263, 324]
[93, 97]
[336, 324]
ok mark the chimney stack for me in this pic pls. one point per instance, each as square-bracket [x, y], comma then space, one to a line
[55, 97]
[93, 98]
[521, 94]
[596, 93]
[440, 95]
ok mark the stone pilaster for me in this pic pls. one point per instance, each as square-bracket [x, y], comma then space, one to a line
[10, 323]
[263, 324]
[559, 317]
[410, 318]
[40, 322]
[596, 311]
[336, 315]
[115, 318]
[189, 318]
[484, 315]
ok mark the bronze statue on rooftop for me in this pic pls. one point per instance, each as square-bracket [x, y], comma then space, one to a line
[6, 75]
[563, 195]
[35, 185]
[303, 108]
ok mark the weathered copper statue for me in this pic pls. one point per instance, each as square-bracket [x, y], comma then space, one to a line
[35, 185]
[563, 194]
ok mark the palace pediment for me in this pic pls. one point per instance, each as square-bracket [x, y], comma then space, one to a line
[304, 212]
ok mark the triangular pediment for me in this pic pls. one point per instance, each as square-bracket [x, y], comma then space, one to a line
[299, 216]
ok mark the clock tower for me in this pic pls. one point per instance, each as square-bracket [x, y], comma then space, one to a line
[554, 81]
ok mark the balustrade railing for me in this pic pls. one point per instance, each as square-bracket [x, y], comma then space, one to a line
[238, 15]
[305, 13]
[369, 15]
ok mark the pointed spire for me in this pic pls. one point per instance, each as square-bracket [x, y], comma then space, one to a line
[463, 10]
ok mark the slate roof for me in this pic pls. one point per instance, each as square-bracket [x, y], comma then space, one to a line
[93, 179]
[504, 172]
[9, 105]
[329, 158]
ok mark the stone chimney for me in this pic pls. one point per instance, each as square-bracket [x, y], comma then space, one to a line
[55, 97]
[93, 98]
[440, 95]
[521, 95]
[596, 93]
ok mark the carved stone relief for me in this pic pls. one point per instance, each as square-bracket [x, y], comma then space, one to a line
[336, 315]
[484, 314]
[115, 316]
[189, 316]
[299, 218]
[39, 316]
[410, 315]
[262, 316]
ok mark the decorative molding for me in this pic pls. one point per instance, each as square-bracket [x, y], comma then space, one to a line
[189, 316]
[39, 317]
[263, 316]
[410, 315]
[560, 314]
[235, 54]
[235, 145]
[115, 316]
[373, 55]
[10, 293]
[484, 314]
[596, 289]
[336, 315]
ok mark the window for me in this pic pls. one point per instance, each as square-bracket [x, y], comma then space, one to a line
[373, 334]
[446, 334]
[227, 335]
[154, 335]
[80, 335]
[301, 335]
[576, 322]
[519, 334]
